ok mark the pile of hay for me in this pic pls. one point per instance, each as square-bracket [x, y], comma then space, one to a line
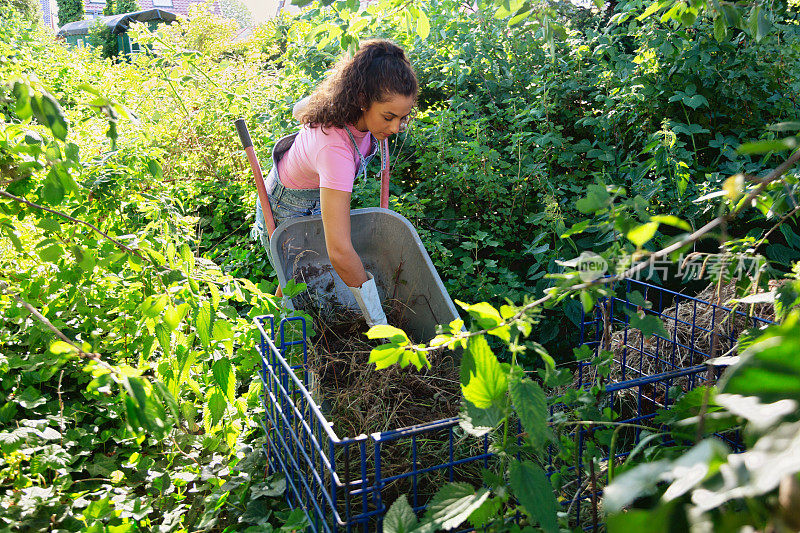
[696, 332]
[356, 398]
[360, 399]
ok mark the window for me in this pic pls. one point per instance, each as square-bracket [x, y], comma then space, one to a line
[162, 3]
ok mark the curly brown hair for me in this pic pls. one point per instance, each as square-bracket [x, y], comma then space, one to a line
[378, 69]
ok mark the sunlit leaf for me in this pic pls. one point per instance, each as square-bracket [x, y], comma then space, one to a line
[385, 355]
[225, 377]
[642, 234]
[423, 26]
[382, 331]
[203, 323]
[483, 380]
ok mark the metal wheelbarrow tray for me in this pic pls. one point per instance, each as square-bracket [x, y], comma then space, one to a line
[390, 249]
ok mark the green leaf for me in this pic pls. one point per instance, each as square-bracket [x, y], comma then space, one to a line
[652, 8]
[531, 405]
[385, 355]
[225, 377]
[51, 254]
[22, 93]
[597, 198]
[695, 101]
[98, 509]
[583, 352]
[451, 506]
[779, 253]
[488, 512]
[143, 410]
[636, 298]
[672, 220]
[30, 398]
[203, 323]
[762, 147]
[487, 317]
[223, 332]
[414, 357]
[423, 25]
[641, 234]
[273, 487]
[534, 492]
[53, 190]
[61, 347]
[48, 112]
[167, 399]
[173, 315]
[400, 517]
[153, 305]
[649, 325]
[155, 169]
[215, 408]
[578, 227]
[762, 25]
[486, 382]
[478, 422]
[769, 369]
[397, 336]
[720, 28]
[164, 336]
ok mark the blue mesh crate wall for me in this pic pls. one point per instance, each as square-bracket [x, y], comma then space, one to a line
[347, 484]
[647, 374]
[698, 329]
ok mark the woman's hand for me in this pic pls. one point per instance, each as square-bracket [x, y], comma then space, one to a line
[336, 221]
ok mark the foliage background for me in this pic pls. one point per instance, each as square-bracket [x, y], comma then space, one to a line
[516, 125]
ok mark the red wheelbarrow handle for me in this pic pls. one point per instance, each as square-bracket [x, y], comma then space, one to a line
[247, 144]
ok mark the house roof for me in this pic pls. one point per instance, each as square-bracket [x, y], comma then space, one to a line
[117, 23]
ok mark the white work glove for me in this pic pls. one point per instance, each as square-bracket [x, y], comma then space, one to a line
[369, 302]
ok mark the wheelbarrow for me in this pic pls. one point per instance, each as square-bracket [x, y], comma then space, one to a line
[390, 249]
[387, 244]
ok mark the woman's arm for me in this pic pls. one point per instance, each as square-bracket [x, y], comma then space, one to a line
[336, 221]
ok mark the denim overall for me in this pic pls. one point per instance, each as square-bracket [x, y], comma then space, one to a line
[289, 203]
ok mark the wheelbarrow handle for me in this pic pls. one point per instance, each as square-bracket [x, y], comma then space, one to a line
[385, 175]
[247, 144]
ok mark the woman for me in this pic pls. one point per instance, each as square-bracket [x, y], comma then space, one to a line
[366, 99]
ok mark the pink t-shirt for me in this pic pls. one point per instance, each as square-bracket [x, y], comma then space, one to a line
[318, 159]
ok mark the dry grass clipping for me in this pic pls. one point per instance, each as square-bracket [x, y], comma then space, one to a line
[364, 400]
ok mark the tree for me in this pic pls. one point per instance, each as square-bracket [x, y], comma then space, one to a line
[126, 6]
[100, 36]
[109, 9]
[29, 9]
[69, 11]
